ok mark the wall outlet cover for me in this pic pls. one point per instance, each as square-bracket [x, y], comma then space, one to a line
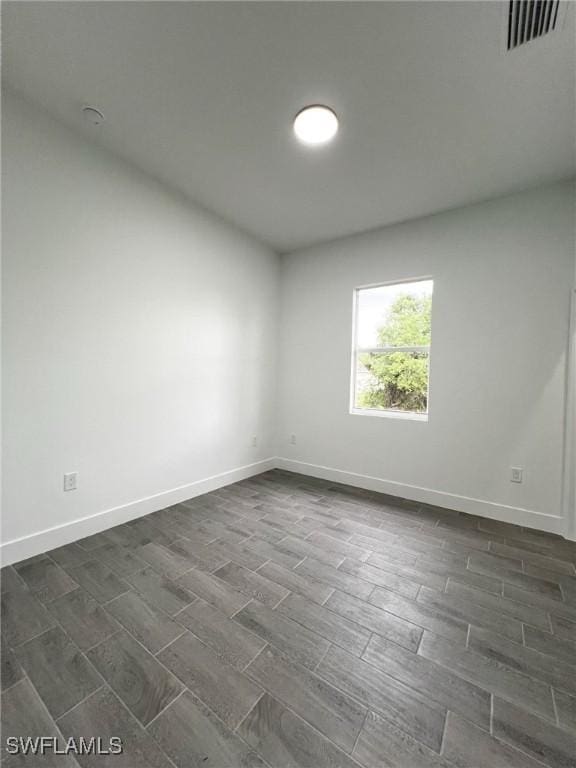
[516, 474]
[71, 481]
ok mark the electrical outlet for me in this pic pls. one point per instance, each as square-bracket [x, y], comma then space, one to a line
[516, 475]
[71, 481]
[292, 439]
[254, 441]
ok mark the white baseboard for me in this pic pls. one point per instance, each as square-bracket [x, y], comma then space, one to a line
[42, 541]
[517, 515]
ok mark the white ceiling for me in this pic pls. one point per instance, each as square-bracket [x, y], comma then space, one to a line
[434, 113]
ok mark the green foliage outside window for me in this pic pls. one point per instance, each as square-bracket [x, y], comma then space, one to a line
[399, 380]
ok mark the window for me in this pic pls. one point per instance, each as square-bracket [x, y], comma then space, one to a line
[390, 365]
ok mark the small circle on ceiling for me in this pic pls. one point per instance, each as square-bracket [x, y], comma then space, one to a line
[92, 115]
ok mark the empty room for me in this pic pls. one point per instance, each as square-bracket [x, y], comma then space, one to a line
[288, 384]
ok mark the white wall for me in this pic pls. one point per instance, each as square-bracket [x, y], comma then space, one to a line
[140, 335]
[139, 339]
[503, 272]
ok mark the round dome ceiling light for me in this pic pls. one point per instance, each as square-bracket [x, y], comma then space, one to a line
[93, 115]
[315, 125]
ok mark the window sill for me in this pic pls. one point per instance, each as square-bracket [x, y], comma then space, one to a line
[405, 415]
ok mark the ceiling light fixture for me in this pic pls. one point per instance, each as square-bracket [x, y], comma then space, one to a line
[315, 124]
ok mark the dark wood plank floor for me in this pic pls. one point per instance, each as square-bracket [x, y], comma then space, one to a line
[287, 621]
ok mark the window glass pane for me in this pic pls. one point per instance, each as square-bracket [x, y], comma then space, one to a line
[394, 315]
[392, 381]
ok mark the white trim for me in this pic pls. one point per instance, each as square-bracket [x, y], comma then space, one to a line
[399, 281]
[387, 350]
[493, 510]
[42, 541]
[569, 468]
[389, 414]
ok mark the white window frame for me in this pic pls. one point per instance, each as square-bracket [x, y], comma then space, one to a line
[382, 412]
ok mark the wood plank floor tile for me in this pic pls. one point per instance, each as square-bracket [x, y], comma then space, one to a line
[25, 716]
[194, 737]
[458, 541]
[335, 531]
[566, 709]
[10, 670]
[382, 745]
[239, 554]
[344, 548]
[93, 542]
[532, 615]
[83, 618]
[230, 641]
[59, 672]
[371, 617]
[419, 614]
[305, 548]
[553, 606]
[160, 591]
[213, 590]
[376, 546]
[201, 556]
[564, 629]
[406, 708]
[538, 665]
[167, 561]
[23, 616]
[148, 624]
[332, 712]
[209, 531]
[102, 716]
[497, 563]
[251, 584]
[548, 562]
[45, 578]
[467, 745]
[440, 557]
[287, 741]
[314, 590]
[69, 555]
[372, 532]
[227, 692]
[335, 578]
[553, 746]
[381, 578]
[379, 616]
[490, 673]
[298, 643]
[479, 564]
[462, 575]
[418, 575]
[147, 532]
[97, 579]
[330, 625]
[563, 650]
[136, 677]
[440, 684]
[9, 580]
[262, 529]
[465, 610]
[270, 552]
[121, 560]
